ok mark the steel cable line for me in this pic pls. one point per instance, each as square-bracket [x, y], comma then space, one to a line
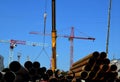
[44, 32]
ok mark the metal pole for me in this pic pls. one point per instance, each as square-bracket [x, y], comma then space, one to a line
[53, 36]
[108, 32]
[71, 46]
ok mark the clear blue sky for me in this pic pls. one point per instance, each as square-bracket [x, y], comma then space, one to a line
[88, 17]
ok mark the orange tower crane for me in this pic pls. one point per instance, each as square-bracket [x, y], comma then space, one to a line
[71, 37]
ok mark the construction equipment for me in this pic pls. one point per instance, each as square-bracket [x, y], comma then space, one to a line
[14, 43]
[53, 33]
[54, 36]
[71, 37]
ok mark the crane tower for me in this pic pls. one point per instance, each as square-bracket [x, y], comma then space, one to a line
[71, 37]
[14, 43]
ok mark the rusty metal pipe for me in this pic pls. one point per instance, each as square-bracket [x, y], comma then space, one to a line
[99, 75]
[96, 68]
[91, 75]
[9, 76]
[93, 55]
[28, 65]
[106, 61]
[104, 68]
[111, 74]
[103, 55]
[83, 68]
[16, 67]
[100, 72]
[36, 64]
[82, 74]
[19, 70]
[101, 61]
[90, 61]
[113, 67]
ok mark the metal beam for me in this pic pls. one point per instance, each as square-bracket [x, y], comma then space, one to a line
[54, 33]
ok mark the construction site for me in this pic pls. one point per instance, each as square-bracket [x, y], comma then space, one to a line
[96, 66]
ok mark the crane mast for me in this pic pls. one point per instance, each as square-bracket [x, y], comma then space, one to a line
[13, 44]
[71, 46]
[71, 38]
[54, 33]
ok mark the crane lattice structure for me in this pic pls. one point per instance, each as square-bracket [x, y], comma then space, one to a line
[13, 44]
[71, 38]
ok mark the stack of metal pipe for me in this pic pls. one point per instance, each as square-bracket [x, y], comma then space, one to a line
[94, 67]
[30, 72]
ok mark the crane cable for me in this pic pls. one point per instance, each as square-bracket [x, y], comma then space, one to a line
[45, 17]
[44, 32]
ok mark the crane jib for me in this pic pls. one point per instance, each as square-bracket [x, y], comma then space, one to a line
[18, 42]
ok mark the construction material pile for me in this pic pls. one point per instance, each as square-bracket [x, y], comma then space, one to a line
[31, 72]
[93, 68]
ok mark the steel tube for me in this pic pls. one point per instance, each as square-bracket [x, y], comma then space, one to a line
[106, 61]
[90, 61]
[91, 75]
[103, 55]
[9, 76]
[16, 67]
[83, 68]
[96, 68]
[36, 65]
[113, 67]
[93, 55]
[19, 70]
[28, 65]
[82, 75]
[108, 75]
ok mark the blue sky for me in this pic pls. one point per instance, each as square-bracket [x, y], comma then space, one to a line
[88, 17]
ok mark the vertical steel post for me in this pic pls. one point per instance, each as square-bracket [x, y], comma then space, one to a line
[54, 33]
[108, 31]
[71, 46]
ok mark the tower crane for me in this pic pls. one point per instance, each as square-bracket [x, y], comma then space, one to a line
[13, 43]
[54, 37]
[71, 38]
